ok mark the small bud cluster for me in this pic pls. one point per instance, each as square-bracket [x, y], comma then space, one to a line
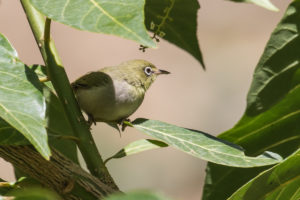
[156, 28]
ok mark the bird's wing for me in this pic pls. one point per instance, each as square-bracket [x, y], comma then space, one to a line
[92, 79]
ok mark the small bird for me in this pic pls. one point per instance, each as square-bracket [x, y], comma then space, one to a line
[112, 94]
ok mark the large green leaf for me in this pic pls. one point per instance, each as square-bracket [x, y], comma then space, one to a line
[263, 3]
[280, 182]
[137, 195]
[271, 120]
[222, 181]
[280, 135]
[202, 145]
[176, 22]
[57, 125]
[22, 104]
[117, 17]
[137, 147]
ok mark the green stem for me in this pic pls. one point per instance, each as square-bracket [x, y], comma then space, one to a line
[56, 73]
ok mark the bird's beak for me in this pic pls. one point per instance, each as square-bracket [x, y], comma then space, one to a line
[160, 71]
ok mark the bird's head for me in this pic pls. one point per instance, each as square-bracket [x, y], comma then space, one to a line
[145, 71]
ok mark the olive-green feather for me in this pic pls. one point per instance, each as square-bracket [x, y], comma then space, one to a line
[92, 79]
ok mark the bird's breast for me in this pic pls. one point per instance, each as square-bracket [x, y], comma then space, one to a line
[127, 93]
[112, 102]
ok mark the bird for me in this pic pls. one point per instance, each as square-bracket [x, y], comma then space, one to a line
[113, 93]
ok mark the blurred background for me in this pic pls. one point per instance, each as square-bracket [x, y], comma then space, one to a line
[232, 37]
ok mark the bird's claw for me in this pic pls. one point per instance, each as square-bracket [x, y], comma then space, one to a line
[91, 121]
[124, 123]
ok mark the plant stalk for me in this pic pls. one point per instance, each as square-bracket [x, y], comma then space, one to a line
[56, 73]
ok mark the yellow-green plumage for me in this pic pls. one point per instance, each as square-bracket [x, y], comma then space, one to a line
[113, 93]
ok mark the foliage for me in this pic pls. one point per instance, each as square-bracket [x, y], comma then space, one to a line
[22, 104]
[202, 145]
[280, 182]
[41, 114]
[136, 147]
[167, 19]
[272, 113]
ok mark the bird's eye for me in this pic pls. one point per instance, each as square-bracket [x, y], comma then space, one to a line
[148, 71]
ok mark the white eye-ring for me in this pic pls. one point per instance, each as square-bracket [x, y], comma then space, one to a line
[148, 71]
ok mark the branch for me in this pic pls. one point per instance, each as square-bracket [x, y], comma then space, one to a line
[59, 174]
[59, 79]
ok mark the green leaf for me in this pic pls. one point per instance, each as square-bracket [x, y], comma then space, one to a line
[22, 104]
[5, 187]
[202, 145]
[137, 195]
[117, 17]
[34, 194]
[10, 136]
[263, 3]
[176, 20]
[280, 182]
[222, 181]
[137, 147]
[271, 120]
[57, 125]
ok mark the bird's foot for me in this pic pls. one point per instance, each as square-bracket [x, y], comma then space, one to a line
[115, 126]
[90, 121]
[120, 124]
[124, 123]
